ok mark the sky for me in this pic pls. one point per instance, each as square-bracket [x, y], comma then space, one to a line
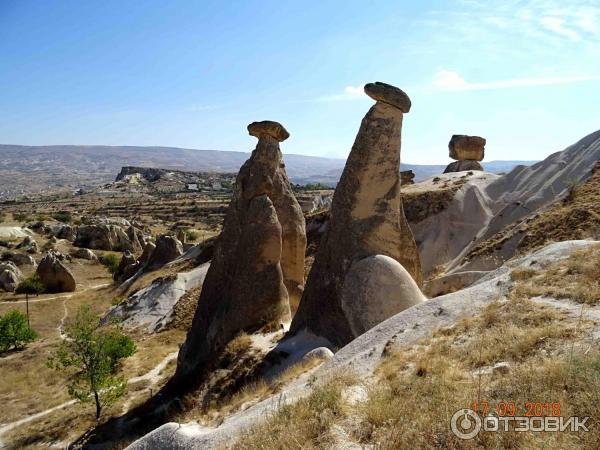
[523, 74]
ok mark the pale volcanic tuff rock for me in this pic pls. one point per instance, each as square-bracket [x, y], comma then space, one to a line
[166, 250]
[367, 219]
[54, 275]
[10, 276]
[258, 260]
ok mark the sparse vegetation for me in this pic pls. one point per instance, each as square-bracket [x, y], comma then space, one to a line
[20, 217]
[32, 285]
[15, 332]
[111, 262]
[118, 300]
[575, 277]
[304, 424]
[191, 235]
[93, 354]
[62, 216]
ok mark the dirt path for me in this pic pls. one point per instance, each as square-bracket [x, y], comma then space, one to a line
[152, 376]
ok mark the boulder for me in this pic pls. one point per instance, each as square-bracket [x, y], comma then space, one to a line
[110, 234]
[462, 147]
[32, 248]
[407, 177]
[10, 276]
[99, 237]
[167, 249]
[258, 260]
[461, 166]
[84, 253]
[18, 259]
[367, 219]
[375, 288]
[319, 353]
[147, 253]
[68, 232]
[54, 275]
[128, 266]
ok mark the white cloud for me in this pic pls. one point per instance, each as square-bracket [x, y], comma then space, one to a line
[354, 90]
[349, 93]
[557, 25]
[450, 81]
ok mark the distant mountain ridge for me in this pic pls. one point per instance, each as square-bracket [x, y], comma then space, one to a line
[28, 169]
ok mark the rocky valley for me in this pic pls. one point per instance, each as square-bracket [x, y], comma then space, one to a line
[240, 308]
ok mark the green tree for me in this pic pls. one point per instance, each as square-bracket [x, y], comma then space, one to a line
[30, 286]
[62, 216]
[15, 331]
[111, 262]
[94, 354]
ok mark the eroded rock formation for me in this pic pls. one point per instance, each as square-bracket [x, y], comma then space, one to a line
[407, 177]
[54, 275]
[167, 249]
[467, 151]
[367, 219]
[258, 260]
[10, 276]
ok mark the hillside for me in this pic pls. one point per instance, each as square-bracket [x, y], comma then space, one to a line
[29, 169]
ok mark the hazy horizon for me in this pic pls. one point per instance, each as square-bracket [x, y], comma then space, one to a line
[522, 74]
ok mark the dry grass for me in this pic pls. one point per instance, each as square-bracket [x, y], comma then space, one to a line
[421, 387]
[575, 277]
[305, 424]
[417, 389]
[238, 383]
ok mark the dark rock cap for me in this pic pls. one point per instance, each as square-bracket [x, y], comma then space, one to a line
[268, 127]
[389, 94]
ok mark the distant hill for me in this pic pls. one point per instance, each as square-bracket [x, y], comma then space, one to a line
[28, 169]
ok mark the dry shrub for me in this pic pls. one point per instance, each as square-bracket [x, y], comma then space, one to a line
[305, 424]
[418, 391]
[575, 278]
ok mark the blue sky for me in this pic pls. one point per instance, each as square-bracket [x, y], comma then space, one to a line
[523, 74]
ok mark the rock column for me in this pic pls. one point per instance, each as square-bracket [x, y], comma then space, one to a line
[467, 151]
[367, 220]
[257, 258]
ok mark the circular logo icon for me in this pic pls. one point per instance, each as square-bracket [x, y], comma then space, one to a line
[465, 424]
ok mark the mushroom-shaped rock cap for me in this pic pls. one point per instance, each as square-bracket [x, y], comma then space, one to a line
[269, 127]
[389, 94]
[462, 147]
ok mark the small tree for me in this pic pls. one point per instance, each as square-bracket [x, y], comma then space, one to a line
[15, 331]
[30, 286]
[95, 353]
[111, 262]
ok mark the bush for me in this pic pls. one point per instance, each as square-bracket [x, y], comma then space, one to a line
[20, 217]
[111, 262]
[14, 331]
[2, 217]
[191, 235]
[31, 285]
[62, 216]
